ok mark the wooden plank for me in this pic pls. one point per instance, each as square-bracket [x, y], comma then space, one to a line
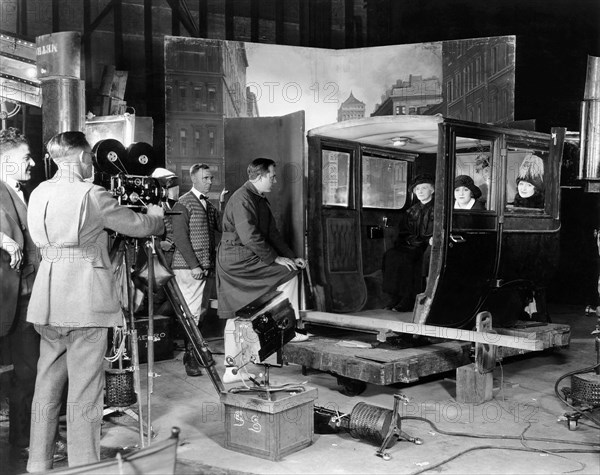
[373, 323]
[552, 335]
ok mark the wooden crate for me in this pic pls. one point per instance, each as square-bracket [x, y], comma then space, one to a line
[269, 429]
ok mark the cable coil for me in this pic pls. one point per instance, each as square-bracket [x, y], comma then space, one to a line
[370, 423]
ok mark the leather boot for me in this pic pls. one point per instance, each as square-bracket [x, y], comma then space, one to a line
[192, 367]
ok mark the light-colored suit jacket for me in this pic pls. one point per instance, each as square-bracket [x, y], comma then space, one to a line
[68, 219]
[13, 282]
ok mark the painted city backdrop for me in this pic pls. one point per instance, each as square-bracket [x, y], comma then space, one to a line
[207, 81]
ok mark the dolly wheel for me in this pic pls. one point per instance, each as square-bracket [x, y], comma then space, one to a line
[351, 387]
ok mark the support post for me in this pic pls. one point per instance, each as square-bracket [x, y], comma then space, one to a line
[472, 386]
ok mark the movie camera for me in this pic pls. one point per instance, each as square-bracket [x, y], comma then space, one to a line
[126, 173]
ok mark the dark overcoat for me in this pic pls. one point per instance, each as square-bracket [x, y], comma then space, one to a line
[250, 243]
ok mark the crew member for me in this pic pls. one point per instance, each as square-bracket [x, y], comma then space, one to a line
[74, 299]
[252, 258]
[19, 261]
[194, 229]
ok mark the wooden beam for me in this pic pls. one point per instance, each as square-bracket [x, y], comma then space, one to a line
[378, 324]
[55, 16]
[149, 56]
[22, 17]
[203, 18]
[303, 23]
[279, 22]
[93, 25]
[175, 18]
[87, 41]
[349, 23]
[229, 25]
[319, 19]
[254, 21]
[118, 33]
[187, 19]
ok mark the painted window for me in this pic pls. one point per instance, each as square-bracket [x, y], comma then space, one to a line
[335, 166]
[384, 182]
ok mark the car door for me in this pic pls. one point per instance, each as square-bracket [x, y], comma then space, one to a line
[464, 254]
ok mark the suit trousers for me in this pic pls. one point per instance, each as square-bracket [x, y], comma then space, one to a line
[23, 343]
[75, 355]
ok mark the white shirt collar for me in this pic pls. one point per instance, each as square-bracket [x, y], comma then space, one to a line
[469, 204]
[197, 194]
[14, 184]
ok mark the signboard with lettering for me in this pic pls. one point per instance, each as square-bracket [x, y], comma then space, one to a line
[59, 55]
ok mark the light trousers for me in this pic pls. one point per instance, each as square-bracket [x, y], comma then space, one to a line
[75, 355]
[195, 292]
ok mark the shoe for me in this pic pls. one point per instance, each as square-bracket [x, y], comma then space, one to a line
[60, 451]
[230, 377]
[299, 337]
[192, 367]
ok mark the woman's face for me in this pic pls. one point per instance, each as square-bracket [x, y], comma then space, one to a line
[462, 195]
[526, 189]
[424, 192]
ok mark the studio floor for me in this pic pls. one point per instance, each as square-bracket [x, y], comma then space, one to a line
[524, 407]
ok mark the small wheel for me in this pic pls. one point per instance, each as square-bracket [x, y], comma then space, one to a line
[351, 387]
[386, 456]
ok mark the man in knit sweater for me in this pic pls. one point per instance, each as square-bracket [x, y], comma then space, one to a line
[194, 258]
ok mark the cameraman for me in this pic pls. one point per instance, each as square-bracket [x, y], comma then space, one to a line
[74, 299]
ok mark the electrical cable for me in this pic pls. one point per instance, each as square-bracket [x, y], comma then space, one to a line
[521, 438]
[494, 447]
[501, 437]
[289, 387]
[564, 400]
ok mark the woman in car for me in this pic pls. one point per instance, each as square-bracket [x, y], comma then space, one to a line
[466, 193]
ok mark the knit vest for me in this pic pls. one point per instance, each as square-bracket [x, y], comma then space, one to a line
[202, 225]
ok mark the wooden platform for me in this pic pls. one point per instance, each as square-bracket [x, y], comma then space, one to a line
[386, 363]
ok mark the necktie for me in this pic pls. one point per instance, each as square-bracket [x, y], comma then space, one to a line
[203, 200]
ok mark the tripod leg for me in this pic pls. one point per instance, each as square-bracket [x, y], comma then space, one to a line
[184, 315]
[381, 452]
[197, 342]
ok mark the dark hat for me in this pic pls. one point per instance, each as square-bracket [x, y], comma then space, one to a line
[423, 178]
[467, 182]
[532, 171]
